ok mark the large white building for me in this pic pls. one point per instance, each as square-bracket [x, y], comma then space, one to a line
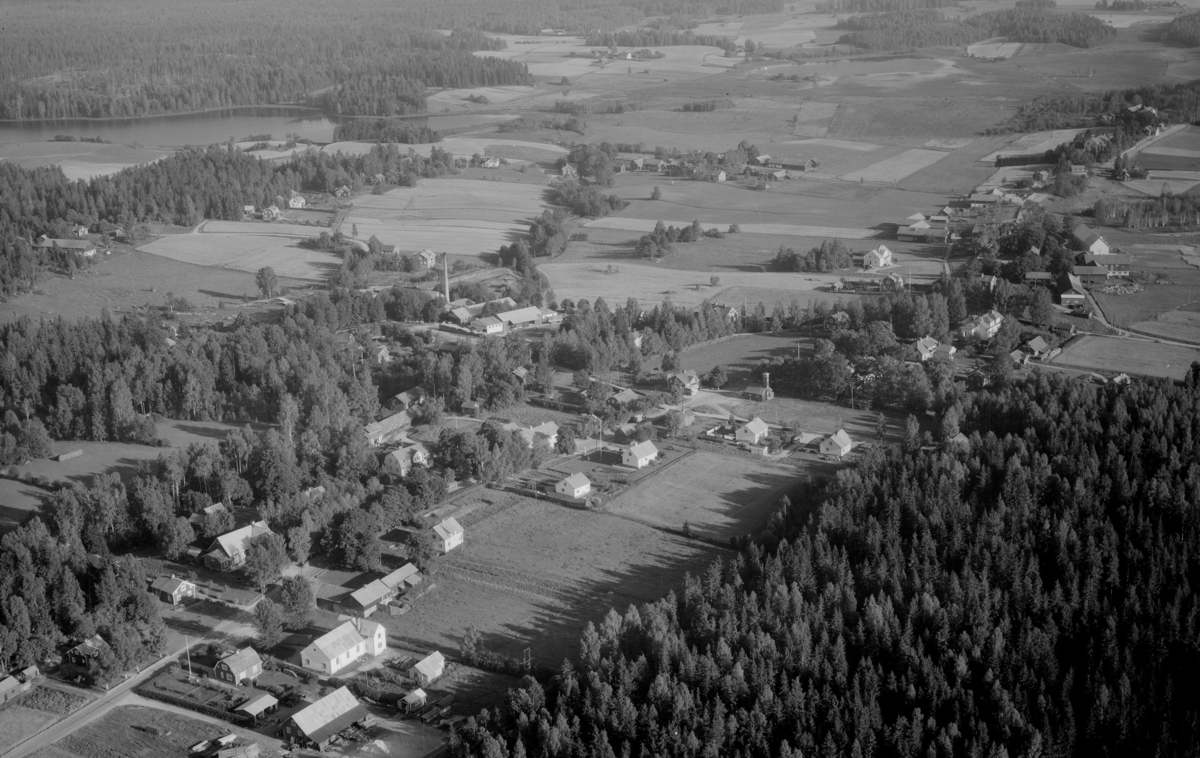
[337, 649]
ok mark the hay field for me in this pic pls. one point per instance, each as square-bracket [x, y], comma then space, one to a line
[784, 206]
[262, 228]
[534, 573]
[127, 280]
[1183, 326]
[999, 47]
[18, 723]
[79, 160]
[708, 491]
[495, 95]
[463, 147]
[459, 216]
[1153, 185]
[652, 284]
[814, 144]
[1126, 20]
[1130, 356]
[896, 168]
[647, 225]
[136, 731]
[247, 252]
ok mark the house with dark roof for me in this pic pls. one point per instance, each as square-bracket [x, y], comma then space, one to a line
[228, 551]
[86, 651]
[171, 589]
[688, 381]
[624, 398]
[238, 667]
[1039, 278]
[387, 429]
[1071, 293]
[317, 725]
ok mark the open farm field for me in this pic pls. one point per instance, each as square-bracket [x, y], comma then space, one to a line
[1130, 356]
[131, 279]
[79, 160]
[1126, 20]
[958, 173]
[495, 95]
[1153, 185]
[998, 47]
[459, 216]
[1154, 160]
[1127, 61]
[263, 228]
[247, 252]
[1154, 299]
[741, 353]
[784, 209]
[133, 731]
[651, 284]
[913, 122]
[535, 573]
[709, 492]
[464, 147]
[897, 167]
[643, 226]
[18, 723]
[1181, 325]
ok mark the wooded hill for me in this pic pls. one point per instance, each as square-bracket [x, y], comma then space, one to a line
[1028, 593]
[124, 58]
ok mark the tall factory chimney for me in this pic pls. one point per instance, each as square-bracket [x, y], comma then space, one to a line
[446, 276]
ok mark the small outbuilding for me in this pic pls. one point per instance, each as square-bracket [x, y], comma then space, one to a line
[429, 669]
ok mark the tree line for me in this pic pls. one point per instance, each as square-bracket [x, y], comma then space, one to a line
[183, 188]
[924, 26]
[1024, 593]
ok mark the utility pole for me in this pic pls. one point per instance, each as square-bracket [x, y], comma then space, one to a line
[187, 648]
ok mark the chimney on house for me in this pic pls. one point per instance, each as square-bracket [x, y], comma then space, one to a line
[766, 380]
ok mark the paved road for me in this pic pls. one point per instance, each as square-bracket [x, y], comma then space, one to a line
[102, 705]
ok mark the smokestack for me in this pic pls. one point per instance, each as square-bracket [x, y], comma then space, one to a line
[446, 276]
[766, 380]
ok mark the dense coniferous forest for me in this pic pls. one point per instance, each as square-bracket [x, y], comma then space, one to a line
[927, 27]
[126, 58]
[657, 38]
[1028, 593]
[183, 188]
[384, 130]
[1184, 30]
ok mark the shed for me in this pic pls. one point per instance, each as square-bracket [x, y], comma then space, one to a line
[258, 705]
[317, 725]
[428, 669]
[413, 701]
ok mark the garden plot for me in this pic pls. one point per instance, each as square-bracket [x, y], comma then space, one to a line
[896, 168]
[247, 252]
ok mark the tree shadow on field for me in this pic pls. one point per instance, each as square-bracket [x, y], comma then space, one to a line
[224, 295]
[126, 468]
[552, 631]
[203, 431]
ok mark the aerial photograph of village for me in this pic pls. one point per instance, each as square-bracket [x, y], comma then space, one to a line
[600, 378]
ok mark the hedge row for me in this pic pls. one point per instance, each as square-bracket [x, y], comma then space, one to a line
[166, 697]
